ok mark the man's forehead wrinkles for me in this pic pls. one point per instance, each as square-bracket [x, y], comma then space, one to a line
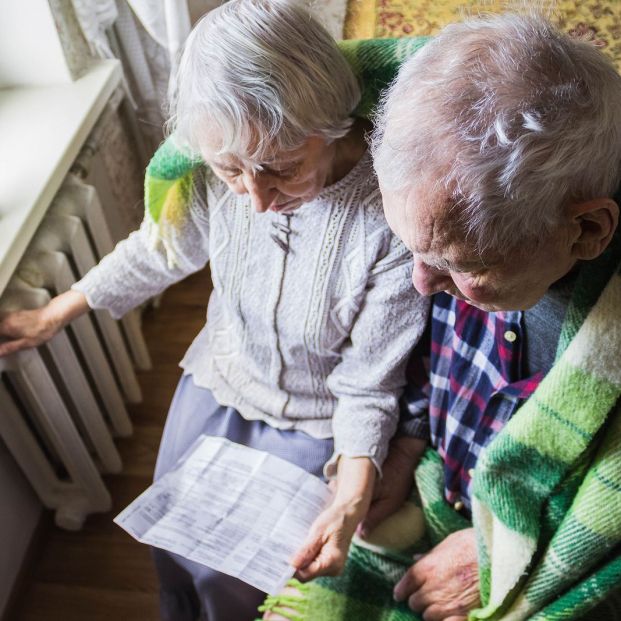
[422, 235]
[439, 235]
[421, 221]
[431, 233]
[436, 240]
[409, 215]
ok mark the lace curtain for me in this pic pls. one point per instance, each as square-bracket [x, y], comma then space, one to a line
[146, 35]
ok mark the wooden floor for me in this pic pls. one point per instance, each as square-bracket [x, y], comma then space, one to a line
[101, 573]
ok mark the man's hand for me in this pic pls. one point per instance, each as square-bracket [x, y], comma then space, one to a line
[396, 484]
[444, 584]
[327, 545]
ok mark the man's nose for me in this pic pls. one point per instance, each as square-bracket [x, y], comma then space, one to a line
[261, 191]
[427, 280]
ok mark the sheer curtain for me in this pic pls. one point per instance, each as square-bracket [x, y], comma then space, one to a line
[146, 35]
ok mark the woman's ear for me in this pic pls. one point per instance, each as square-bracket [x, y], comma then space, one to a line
[596, 222]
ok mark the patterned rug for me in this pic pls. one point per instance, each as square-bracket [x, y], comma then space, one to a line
[594, 20]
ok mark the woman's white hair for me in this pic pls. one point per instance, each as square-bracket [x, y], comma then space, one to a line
[258, 76]
[509, 116]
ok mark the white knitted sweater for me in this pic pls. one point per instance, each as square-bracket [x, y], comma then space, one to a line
[312, 315]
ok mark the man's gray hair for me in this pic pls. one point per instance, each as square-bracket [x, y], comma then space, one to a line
[513, 118]
[259, 74]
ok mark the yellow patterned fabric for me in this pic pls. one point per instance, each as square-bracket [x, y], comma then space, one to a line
[594, 20]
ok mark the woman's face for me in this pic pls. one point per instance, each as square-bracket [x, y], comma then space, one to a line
[283, 181]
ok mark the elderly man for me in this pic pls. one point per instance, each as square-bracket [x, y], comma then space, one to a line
[498, 149]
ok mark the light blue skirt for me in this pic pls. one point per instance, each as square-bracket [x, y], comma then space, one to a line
[188, 590]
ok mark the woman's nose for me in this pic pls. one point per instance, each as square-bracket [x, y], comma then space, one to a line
[428, 280]
[261, 191]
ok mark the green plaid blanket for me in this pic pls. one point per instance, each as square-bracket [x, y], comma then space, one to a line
[547, 491]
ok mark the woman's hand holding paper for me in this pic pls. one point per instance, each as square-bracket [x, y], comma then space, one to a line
[325, 550]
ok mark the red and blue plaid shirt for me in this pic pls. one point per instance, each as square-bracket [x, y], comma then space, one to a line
[463, 393]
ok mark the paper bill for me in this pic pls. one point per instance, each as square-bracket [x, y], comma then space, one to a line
[235, 509]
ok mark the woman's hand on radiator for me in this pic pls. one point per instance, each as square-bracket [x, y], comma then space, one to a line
[24, 329]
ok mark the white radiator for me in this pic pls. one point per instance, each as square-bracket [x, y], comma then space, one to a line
[62, 404]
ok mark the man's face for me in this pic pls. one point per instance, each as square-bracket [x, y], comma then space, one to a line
[444, 261]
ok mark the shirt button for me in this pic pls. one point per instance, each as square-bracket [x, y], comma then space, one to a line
[510, 336]
[471, 472]
[458, 506]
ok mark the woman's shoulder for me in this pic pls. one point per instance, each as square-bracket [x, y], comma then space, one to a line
[367, 198]
[358, 186]
[363, 200]
[208, 190]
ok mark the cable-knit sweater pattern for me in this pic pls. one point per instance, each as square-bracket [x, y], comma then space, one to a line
[312, 314]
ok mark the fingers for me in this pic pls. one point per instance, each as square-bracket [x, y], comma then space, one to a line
[11, 323]
[14, 336]
[308, 553]
[419, 601]
[433, 613]
[291, 591]
[10, 347]
[272, 616]
[328, 562]
[329, 566]
[379, 511]
[410, 582]
[4, 315]
[438, 613]
[423, 602]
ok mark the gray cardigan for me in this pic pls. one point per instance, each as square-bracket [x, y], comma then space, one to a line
[312, 315]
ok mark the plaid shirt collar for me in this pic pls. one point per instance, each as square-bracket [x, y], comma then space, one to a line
[473, 386]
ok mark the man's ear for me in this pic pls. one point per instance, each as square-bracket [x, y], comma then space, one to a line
[595, 221]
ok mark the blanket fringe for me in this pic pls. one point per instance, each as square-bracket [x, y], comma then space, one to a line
[291, 607]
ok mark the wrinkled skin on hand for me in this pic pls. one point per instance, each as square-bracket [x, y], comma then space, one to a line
[25, 329]
[444, 584]
[325, 551]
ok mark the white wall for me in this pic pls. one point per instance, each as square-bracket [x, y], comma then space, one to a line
[20, 511]
[30, 50]
[30, 54]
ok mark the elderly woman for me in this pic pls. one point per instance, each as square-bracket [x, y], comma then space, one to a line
[498, 152]
[312, 314]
